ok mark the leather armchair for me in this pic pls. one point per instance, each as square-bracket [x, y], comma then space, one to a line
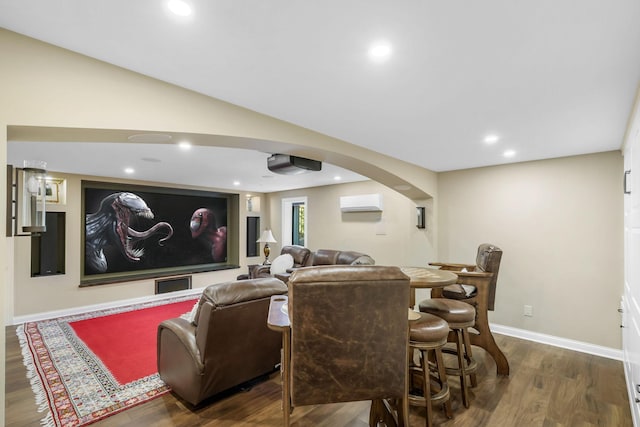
[335, 352]
[227, 344]
[476, 285]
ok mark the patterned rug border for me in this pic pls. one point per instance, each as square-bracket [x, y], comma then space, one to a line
[45, 374]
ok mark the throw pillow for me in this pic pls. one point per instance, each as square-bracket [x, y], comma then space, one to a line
[281, 264]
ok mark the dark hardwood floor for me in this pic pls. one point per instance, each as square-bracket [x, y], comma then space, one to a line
[548, 387]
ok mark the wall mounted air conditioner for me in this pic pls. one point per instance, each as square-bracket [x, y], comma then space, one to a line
[362, 203]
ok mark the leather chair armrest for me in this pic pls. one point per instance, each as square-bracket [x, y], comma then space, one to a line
[284, 277]
[478, 279]
[278, 319]
[185, 333]
[463, 276]
[261, 271]
[481, 281]
[453, 266]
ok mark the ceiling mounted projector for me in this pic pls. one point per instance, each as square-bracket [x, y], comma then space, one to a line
[291, 165]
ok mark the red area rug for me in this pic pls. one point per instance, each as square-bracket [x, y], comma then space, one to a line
[87, 367]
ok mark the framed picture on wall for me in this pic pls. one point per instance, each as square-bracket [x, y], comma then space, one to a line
[53, 190]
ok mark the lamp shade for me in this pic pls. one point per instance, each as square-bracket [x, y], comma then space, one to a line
[267, 237]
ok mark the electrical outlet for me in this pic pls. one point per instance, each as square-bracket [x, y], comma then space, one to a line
[528, 310]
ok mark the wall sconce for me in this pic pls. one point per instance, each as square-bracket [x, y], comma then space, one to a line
[33, 196]
[266, 238]
[420, 217]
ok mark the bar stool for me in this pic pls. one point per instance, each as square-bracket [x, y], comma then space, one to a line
[428, 335]
[460, 316]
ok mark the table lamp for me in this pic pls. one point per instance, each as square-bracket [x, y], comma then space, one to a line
[266, 238]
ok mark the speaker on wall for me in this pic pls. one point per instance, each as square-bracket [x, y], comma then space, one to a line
[48, 248]
[173, 284]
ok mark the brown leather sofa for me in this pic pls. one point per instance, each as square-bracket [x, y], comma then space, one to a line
[303, 257]
[227, 343]
[334, 257]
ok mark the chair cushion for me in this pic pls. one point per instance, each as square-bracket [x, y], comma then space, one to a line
[459, 291]
[325, 257]
[428, 329]
[281, 264]
[456, 313]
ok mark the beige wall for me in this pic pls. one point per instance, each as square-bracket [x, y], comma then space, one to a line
[562, 224]
[390, 237]
[44, 86]
[559, 223]
[34, 295]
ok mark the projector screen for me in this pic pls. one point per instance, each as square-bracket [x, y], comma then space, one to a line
[132, 231]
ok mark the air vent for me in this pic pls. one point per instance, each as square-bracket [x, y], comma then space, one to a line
[362, 203]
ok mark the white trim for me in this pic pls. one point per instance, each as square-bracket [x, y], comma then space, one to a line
[583, 347]
[103, 306]
[631, 393]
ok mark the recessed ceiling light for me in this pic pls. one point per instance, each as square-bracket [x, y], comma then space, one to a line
[236, 183]
[509, 153]
[129, 171]
[179, 7]
[184, 145]
[491, 139]
[337, 178]
[380, 51]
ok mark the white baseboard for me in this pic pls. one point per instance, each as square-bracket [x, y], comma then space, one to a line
[104, 306]
[583, 347]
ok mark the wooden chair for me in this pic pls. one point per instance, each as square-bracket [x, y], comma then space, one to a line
[334, 350]
[479, 280]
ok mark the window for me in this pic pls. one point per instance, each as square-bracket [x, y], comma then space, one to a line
[294, 221]
[297, 226]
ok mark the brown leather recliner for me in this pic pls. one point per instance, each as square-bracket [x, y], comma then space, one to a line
[335, 257]
[336, 352]
[303, 257]
[227, 344]
[300, 255]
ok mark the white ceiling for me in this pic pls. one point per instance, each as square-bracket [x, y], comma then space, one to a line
[551, 78]
[216, 167]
